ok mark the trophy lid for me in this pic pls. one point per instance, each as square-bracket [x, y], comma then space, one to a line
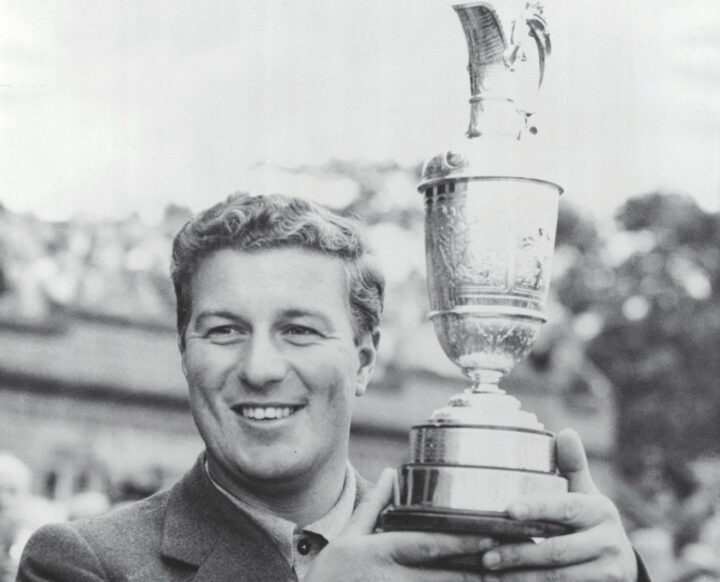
[497, 157]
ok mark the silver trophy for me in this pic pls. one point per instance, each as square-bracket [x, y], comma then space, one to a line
[490, 221]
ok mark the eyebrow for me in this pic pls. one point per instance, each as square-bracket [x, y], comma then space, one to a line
[287, 313]
[292, 313]
[222, 313]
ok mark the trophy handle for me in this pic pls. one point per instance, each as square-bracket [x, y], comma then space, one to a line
[539, 31]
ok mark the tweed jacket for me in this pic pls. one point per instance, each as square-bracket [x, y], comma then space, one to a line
[190, 532]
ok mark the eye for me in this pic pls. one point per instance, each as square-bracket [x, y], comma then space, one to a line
[224, 333]
[301, 334]
[300, 330]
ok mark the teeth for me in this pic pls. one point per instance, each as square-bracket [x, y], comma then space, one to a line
[267, 412]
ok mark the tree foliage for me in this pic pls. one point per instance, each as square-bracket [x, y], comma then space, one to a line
[661, 335]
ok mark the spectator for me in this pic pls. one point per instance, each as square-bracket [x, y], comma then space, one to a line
[15, 481]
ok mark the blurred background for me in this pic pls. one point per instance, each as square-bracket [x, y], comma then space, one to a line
[119, 120]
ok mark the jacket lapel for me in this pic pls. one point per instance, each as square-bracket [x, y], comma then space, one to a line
[251, 557]
[206, 538]
[205, 530]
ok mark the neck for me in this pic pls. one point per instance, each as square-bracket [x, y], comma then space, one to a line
[301, 500]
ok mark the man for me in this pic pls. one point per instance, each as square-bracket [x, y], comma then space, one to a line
[278, 313]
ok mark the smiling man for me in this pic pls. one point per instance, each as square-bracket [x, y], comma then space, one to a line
[278, 316]
[274, 366]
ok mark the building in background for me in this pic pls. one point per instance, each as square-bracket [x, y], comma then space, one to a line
[97, 404]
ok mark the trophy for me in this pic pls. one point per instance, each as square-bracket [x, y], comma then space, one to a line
[490, 221]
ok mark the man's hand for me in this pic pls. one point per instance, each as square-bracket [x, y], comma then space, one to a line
[360, 555]
[598, 549]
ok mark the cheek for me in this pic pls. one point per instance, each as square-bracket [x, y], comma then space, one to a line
[332, 382]
[206, 362]
[207, 370]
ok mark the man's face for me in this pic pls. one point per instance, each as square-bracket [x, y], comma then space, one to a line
[271, 363]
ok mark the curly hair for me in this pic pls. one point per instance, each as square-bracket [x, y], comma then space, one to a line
[252, 223]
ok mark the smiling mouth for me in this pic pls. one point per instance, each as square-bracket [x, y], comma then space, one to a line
[266, 412]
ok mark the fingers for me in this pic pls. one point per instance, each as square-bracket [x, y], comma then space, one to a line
[578, 510]
[366, 513]
[587, 572]
[572, 462]
[414, 548]
[559, 551]
[442, 576]
[598, 549]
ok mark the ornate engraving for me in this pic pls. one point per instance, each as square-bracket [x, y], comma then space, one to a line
[533, 256]
[489, 246]
[463, 252]
[474, 342]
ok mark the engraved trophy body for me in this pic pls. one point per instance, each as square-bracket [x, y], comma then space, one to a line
[490, 220]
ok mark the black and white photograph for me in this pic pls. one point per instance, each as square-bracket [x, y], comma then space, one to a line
[359, 291]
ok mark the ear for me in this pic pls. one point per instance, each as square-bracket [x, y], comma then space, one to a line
[367, 356]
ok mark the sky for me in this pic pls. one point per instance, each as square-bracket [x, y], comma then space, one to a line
[113, 107]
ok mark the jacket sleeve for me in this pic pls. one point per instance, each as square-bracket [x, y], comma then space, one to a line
[58, 553]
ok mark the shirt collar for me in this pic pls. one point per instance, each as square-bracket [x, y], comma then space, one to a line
[282, 530]
[334, 521]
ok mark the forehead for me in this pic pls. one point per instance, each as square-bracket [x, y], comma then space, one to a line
[285, 277]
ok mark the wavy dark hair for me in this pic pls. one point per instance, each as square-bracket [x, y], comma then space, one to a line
[251, 223]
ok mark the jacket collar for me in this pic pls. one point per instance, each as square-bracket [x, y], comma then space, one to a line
[204, 529]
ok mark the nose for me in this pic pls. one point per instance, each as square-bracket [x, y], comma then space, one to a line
[262, 362]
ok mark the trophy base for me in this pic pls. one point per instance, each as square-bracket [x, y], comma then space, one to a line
[491, 524]
[472, 490]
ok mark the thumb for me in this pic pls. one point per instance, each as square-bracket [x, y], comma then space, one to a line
[572, 462]
[366, 513]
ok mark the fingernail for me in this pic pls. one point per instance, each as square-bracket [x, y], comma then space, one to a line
[491, 560]
[519, 511]
[486, 544]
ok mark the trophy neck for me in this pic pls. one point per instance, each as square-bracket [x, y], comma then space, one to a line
[508, 44]
[495, 118]
[485, 381]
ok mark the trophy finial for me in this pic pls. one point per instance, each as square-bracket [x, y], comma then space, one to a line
[508, 44]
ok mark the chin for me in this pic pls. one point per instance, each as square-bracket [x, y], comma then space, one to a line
[275, 473]
[266, 464]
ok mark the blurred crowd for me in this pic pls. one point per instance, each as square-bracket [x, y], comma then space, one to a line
[23, 510]
[117, 268]
[679, 534]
